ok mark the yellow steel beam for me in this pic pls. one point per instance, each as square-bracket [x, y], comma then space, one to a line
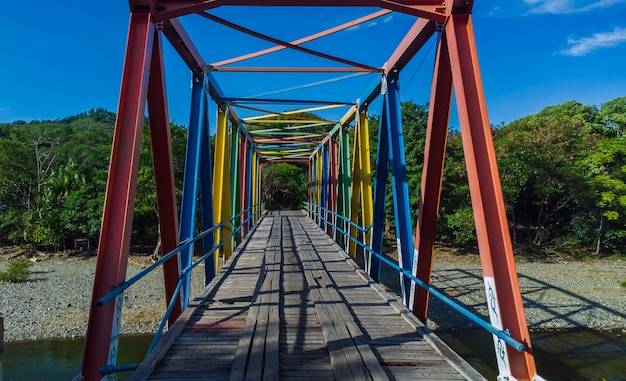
[270, 114]
[221, 142]
[367, 202]
[355, 191]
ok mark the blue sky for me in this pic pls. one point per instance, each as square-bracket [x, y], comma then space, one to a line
[59, 61]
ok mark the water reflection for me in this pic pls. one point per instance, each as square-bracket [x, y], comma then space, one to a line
[60, 359]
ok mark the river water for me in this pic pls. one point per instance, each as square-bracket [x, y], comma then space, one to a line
[561, 356]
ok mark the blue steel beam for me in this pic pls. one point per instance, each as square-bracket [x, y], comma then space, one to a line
[206, 187]
[190, 184]
[401, 205]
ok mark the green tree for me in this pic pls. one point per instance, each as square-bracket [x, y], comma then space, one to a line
[284, 186]
[608, 184]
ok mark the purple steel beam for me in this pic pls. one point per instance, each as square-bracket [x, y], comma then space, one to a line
[162, 159]
[117, 219]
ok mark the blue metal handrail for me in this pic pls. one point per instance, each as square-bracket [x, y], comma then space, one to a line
[502, 334]
[117, 290]
[182, 245]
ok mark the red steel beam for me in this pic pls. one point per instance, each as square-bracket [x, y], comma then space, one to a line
[175, 8]
[294, 69]
[494, 241]
[284, 43]
[119, 201]
[421, 31]
[162, 159]
[303, 40]
[434, 154]
[435, 12]
[183, 45]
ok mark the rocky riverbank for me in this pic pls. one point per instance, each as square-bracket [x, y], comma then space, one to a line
[54, 302]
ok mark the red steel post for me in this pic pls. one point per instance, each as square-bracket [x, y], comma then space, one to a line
[434, 154]
[117, 219]
[163, 163]
[494, 241]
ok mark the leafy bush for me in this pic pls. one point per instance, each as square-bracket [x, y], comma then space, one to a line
[17, 271]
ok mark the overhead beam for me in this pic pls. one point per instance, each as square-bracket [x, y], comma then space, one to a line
[303, 40]
[421, 31]
[294, 69]
[176, 8]
[284, 43]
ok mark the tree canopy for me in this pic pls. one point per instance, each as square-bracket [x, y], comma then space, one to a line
[563, 174]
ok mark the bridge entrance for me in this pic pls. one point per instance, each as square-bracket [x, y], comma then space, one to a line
[222, 181]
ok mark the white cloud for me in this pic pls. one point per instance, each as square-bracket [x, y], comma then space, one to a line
[561, 7]
[513, 8]
[586, 45]
[370, 24]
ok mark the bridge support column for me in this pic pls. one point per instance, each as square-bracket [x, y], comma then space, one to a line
[434, 154]
[206, 188]
[103, 326]
[494, 242]
[361, 198]
[400, 186]
[380, 190]
[163, 163]
[190, 184]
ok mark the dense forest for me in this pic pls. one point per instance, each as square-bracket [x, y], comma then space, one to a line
[563, 173]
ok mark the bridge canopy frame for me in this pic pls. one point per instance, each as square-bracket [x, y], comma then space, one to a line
[456, 70]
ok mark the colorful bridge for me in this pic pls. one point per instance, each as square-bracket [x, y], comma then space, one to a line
[284, 300]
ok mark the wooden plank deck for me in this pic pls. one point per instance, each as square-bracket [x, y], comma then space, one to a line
[291, 305]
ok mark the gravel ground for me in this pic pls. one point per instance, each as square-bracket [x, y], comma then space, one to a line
[55, 300]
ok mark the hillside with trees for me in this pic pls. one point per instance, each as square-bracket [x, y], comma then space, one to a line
[563, 173]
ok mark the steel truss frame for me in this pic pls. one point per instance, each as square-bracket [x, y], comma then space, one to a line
[230, 180]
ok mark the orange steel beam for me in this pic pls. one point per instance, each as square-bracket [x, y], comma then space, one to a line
[284, 43]
[434, 154]
[117, 218]
[494, 241]
[162, 159]
[294, 69]
[303, 40]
